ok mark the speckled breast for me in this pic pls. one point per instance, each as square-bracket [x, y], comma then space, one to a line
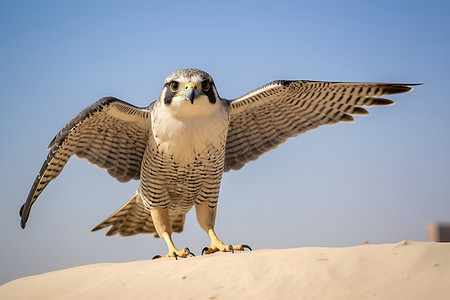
[178, 185]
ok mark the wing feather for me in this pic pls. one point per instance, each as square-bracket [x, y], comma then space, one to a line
[263, 119]
[110, 133]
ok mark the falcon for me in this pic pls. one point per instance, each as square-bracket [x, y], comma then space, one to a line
[181, 144]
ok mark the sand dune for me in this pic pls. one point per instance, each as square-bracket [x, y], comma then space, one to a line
[406, 270]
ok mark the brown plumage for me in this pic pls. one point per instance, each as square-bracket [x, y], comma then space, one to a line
[179, 149]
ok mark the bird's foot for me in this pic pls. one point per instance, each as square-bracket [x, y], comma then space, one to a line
[219, 246]
[176, 253]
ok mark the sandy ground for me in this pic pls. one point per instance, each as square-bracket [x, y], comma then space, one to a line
[406, 270]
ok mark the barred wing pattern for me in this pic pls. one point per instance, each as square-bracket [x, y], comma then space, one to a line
[266, 117]
[110, 133]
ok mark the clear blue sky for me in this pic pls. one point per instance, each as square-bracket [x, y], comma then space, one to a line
[381, 179]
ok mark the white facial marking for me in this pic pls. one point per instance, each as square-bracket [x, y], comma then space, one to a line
[184, 130]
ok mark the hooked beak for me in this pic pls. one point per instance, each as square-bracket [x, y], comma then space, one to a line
[191, 93]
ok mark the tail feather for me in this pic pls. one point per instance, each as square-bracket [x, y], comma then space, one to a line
[134, 218]
[178, 223]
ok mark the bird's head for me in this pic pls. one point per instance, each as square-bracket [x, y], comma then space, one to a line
[190, 93]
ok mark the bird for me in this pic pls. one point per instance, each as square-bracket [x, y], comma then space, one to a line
[180, 145]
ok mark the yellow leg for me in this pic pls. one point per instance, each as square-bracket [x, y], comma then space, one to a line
[217, 245]
[163, 226]
[206, 218]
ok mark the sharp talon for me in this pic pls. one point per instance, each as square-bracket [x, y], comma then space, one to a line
[188, 251]
[176, 256]
[246, 246]
[156, 257]
[204, 249]
[231, 248]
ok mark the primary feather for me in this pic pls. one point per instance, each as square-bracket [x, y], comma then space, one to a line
[179, 149]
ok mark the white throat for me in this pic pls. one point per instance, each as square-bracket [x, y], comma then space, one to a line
[185, 131]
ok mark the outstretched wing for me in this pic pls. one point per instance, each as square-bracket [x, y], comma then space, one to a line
[110, 133]
[266, 117]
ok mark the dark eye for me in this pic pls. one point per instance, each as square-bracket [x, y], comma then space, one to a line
[205, 85]
[174, 85]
